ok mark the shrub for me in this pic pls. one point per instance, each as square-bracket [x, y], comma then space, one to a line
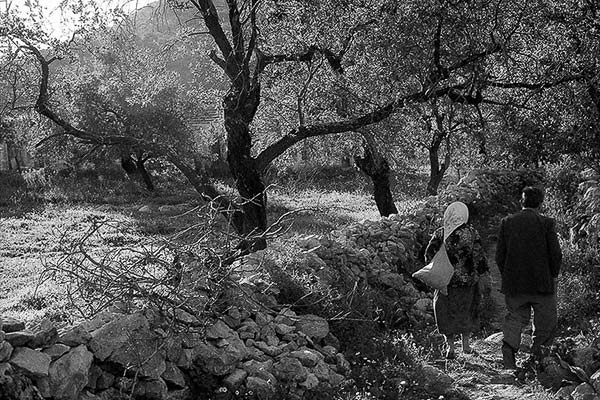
[579, 287]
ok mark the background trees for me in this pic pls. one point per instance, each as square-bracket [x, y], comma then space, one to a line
[294, 72]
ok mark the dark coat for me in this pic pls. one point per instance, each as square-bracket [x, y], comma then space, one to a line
[528, 253]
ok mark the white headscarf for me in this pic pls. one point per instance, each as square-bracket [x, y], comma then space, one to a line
[455, 215]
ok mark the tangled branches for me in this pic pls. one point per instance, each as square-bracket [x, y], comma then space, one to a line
[188, 277]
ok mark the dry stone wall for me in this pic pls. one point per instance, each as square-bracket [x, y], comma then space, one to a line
[117, 355]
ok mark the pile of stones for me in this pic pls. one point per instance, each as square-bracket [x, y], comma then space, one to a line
[119, 355]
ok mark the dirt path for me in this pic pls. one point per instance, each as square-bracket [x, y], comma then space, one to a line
[480, 376]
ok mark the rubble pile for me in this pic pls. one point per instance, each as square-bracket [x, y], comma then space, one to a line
[137, 355]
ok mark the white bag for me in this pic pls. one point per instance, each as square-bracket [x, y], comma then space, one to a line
[438, 272]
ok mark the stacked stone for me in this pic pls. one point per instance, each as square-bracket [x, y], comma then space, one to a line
[117, 355]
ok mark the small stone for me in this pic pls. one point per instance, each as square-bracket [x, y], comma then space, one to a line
[313, 326]
[289, 369]
[219, 330]
[272, 351]
[262, 319]
[43, 385]
[174, 376]
[262, 388]
[283, 329]
[186, 359]
[145, 209]
[311, 382]
[307, 357]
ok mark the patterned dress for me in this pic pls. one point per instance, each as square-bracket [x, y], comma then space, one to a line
[458, 312]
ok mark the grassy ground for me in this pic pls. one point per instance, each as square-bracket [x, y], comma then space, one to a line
[31, 233]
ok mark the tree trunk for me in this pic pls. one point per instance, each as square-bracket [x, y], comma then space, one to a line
[243, 167]
[136, 170]
[437, 171]
[378, 169]
[144, 174]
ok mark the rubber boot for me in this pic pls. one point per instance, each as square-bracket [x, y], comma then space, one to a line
[508, 356]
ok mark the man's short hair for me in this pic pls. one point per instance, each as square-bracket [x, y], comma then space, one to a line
[532, 197]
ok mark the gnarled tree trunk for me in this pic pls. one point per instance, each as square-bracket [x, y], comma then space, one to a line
[239, 110]
[378, 169]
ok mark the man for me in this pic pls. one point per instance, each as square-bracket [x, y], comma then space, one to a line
[528, 256]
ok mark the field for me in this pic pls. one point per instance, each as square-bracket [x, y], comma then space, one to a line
[32, 234]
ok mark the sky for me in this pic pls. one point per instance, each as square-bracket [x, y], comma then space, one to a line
[61, 24]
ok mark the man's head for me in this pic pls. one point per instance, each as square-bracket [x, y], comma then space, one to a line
[532, 197]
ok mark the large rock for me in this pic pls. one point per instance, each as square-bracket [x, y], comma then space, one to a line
[10, 324]
[56, 350]
[113, 335]
[5, 351]
[313, 326]
[20, 338]
[32, 362]
[75, 336]
[129, 343]
[435, 380]
[220, 360]
[45, 333]
[69, 374]
[584, 391]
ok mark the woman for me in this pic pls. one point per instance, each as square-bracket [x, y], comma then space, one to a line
[458, 312]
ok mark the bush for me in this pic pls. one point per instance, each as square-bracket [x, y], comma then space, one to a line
[579, 287]
[12, 188]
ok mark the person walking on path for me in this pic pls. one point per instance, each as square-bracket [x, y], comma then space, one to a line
[528, 256]
[458, 312]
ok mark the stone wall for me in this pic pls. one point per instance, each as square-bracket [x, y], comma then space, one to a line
[117, 355]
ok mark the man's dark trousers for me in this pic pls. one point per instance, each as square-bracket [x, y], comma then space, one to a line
[519, 313]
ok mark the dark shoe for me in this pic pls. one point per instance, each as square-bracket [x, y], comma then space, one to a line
[508, 357]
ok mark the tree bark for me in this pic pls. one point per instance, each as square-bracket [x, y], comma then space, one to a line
[135, 168]
[436, 172]
[377, 168]
[144, 174]
[239, 110]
